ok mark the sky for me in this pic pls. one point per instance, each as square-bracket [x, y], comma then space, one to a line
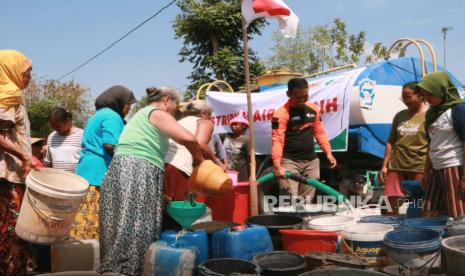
[59, 35]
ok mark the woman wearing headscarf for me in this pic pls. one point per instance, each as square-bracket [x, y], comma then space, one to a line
[15, 157]
[101, 134]
[445, 169]
[132, 190]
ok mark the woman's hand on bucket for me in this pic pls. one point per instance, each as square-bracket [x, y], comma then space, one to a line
[223, 167]
[197, 160]
[26, 164]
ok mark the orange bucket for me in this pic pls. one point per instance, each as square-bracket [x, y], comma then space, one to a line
[209, 179]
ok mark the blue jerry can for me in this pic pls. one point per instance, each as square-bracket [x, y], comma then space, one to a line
[197, 238]
[243, 243]
[164, 259]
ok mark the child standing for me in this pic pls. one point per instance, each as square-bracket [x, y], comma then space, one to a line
[64, 144]
[236, 145]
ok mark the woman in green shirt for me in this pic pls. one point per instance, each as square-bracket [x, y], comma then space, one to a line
[132, 190]
[405, 154]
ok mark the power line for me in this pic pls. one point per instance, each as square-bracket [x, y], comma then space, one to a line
[118, 40]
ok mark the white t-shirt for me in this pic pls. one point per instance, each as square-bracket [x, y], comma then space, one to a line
[64, 151]
[446, 147]
[177, 154]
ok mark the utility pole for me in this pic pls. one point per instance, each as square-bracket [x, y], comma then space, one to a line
[444, 31]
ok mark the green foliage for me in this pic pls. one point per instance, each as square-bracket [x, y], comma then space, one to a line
[319, 48]
[41, 96]
[379, 52]
[212, 34]
[38, 115]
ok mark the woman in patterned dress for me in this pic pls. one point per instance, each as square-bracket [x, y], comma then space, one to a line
[15, 157]
[132, 191]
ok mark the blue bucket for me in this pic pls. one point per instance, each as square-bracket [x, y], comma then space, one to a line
[413, 248]
[416, 197]
[390, 220]
[413, 240]
[436, 224]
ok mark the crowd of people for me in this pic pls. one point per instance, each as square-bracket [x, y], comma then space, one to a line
[427, 144]
[130, 167]
[135, 167]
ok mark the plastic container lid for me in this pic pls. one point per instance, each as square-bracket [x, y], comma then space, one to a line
[366, 231]
[330, 221]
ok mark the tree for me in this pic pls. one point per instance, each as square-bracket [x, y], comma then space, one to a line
[41, 96]
[318, 48]
[378, 53]
[295, 54]
[212, 34]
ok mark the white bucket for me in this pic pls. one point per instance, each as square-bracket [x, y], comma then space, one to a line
[50, 204]
[365, 239]
[362, 211]
[333, 223]
[313, 209]
[366, 231]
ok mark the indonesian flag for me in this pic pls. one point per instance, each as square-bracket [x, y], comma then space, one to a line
[288, 21]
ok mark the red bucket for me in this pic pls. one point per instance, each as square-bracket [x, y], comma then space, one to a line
[232, 206]
[305, 241]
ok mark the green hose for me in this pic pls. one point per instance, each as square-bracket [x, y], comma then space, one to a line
[309, 181]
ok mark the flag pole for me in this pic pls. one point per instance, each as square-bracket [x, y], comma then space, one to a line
[252, 176]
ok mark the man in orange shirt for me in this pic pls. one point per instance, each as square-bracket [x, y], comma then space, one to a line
[295, 126]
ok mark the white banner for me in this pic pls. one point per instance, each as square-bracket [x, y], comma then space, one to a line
[330, 94]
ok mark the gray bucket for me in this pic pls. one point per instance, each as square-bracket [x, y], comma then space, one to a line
[456, 227]
[280, 263]
[454, 249]
[342, 272]
[228, 266]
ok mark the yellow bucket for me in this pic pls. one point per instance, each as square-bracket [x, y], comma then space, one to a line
[209, 179]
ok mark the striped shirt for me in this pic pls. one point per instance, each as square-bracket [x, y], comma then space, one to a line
[64, 151]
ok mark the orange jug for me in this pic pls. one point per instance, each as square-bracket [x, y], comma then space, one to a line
[209, 179]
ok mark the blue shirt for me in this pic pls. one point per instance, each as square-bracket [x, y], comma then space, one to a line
[104, 127]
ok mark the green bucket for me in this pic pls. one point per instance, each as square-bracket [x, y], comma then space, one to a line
[185, 213]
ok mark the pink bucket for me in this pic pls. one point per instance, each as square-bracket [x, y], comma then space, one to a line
[234, 176]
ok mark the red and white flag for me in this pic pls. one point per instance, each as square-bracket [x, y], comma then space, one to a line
[288, 21]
